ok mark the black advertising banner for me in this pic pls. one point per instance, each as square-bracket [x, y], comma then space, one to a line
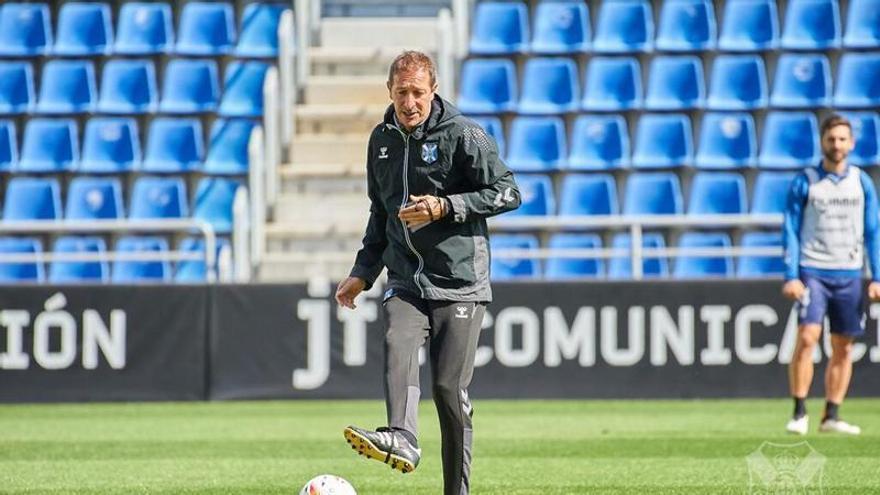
[76, 343]
[567, 340]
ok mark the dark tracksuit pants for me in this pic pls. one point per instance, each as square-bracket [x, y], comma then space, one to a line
[452, 329]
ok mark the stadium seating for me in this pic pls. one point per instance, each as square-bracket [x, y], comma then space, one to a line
[701, 266]
[588, 194]
[17, 94]
[537, 144]
[761, 266]
[193, 271]
[25, 29]
[663, 140]
[857, 81]
[811, 25]
[866, 131]
[749, 25]
[862, 24]
[536, 192]
[494, 128]
[158, 197]
[228, 147]
[67, 272]
[206, 28]
[243, 90]
[738, 82]
[33, 271]
[190, 86]
[653, 193]
[174, 146]
[258, 37]
[31, 198]
[488, 86]
[559, 268]
[613, 83]
[128, 87]
[8, 146]
[721, 193]
[675, 83]
[84, 29]
[110, 145]
[213, 202]
[686, 26]
[145, 28]
[500, 28]
[49, 146]
[94, 198]
[802, 81]
[142, 271]
[67, 86]
[550, 86]
[561, 28]
[624, 27]
[727, 140]
[599, 142]
[789, 140]
[620, 267]
[771, 191]
[503, 268]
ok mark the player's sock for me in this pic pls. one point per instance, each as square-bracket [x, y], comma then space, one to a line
[830, 410]
[800, 407]
[409, 437]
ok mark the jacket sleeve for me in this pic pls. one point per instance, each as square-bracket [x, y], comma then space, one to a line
[872, 230]
[476, 155]
[368, 263]
[791, 227]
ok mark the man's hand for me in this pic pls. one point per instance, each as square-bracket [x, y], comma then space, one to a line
[794, 290]
[874, 291]
[422, 210]
[349, 289]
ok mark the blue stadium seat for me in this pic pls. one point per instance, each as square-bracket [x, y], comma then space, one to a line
[761, 266]
[537, 144]
[686, 26]
[858, 81]
[811, 25]
[66, 272]
[588, 194]
[749, 25]
[142, 271]
[190, 86]
[49, 146]
[727, 140]
[228, 147]
[31, 198]
[206, 28]
[738, 82]
[675, 83]
[174, 146]
[8, 146]
[789, 140]
[692, 266]
[193, 271]
[158, 197]
[500, 28]
[84, 29]
[67, 86]
[770, 191]
[494, 128]
[550, 86]
[559, 268]
[213, 202]
[513, 268]
[258, 37]
[110, 145]
[715, 193]
[613, 83]
[488, 86]
[620, 267]
[862, 24]
[17, 93]
[25, 29]
[90, 198]
[561, 27]
[624, 27]
[145, 28]
[538, 198]
[22, 272]
[866, 131]
[653, 193]
[663, 140]
[243, 89]
[802, 81]
[128, 87]
[599, 142]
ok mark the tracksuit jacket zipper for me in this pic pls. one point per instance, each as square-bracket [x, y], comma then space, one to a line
[403, 203]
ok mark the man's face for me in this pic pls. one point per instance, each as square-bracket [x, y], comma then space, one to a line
[412, 93]
[837, 142]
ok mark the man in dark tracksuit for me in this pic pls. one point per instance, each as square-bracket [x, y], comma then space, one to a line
[433, 176]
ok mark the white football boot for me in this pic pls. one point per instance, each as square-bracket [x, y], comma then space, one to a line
[798, 426]
[839, 426]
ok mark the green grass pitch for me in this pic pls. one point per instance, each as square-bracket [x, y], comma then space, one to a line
[521, 447]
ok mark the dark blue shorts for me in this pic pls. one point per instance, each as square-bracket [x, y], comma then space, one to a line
[840, 298]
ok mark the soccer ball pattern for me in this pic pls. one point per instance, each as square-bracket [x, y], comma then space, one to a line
[327, 484]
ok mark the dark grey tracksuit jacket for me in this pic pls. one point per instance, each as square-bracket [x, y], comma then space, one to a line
[440, 272]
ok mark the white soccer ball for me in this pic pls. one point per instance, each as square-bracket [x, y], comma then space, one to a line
[327, 484]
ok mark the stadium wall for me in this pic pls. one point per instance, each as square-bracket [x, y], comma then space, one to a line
[666, 339]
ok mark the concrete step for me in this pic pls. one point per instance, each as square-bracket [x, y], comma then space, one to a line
[329, 148]
[338, 119]
[339, 181]
[353, 60]
[322, 208]
[339, 90]
[377, 31]
[286, 268]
